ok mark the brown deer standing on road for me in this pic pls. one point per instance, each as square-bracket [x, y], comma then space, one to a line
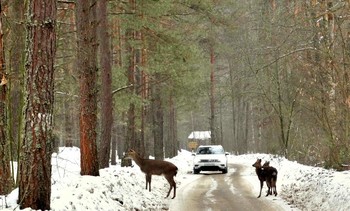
[155, 167]
[266, 173]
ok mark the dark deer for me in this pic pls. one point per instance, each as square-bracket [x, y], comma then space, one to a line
[268, 182]
[266, 173]
[266, 164]
[155, 167]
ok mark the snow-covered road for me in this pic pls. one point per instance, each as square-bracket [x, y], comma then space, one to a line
[217, 191]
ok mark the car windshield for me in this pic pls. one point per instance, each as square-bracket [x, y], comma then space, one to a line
[210, 150]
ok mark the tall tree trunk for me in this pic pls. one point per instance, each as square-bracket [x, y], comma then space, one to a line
[87, 62]
[5, 173]
[114, 146]
[212, 97]
[68, 124]
[234, 142]
[35, 165]
[66, 30]
[143, 92]
[157, 114]
[171, 145]
[131, 128]
[131, 114]
[117, 143]
[106, 72]
[17, 54]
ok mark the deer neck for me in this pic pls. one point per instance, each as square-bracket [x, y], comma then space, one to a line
[258, 170]
[138, 160]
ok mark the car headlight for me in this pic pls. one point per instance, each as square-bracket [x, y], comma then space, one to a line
[222, 160]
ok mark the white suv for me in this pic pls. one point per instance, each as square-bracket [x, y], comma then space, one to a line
[210, 158]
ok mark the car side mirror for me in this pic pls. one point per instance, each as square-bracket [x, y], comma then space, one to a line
[227, 153]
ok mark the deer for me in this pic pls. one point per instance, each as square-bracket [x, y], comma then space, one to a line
[268, 182]
[266, 173]
[266, 164]
[155, 167]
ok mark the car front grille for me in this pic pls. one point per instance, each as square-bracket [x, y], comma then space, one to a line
[209, 160]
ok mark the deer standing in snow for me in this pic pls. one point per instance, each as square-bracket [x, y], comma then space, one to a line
[155, 167]
[266, 173]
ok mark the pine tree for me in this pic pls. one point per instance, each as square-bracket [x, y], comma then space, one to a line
[87, 62]
[35, 160]
[5, 173]
[106, 92]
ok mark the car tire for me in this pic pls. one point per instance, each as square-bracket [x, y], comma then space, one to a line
[195, 171]
[224, 171]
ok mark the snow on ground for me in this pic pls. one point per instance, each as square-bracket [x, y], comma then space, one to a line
[300, 187]
[306, 187]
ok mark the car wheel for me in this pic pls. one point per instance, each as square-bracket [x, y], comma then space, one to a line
[224, 171]
[195, 171]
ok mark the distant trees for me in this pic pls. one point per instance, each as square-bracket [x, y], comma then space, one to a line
[329, 78]
[157, 66]
[141, 49]
[288, 76]
[15, 45]
[313, 78]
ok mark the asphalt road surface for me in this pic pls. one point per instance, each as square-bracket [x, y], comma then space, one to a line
[214, 191]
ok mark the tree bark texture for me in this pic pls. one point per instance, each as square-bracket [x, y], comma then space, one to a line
[106, 72]
[5, 173]
[87, 64]
[35, 160]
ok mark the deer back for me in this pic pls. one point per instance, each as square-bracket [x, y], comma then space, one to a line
[158, 167]
[270, 172]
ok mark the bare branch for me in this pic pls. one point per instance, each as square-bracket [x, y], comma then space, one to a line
[285, 55]
[122, 88]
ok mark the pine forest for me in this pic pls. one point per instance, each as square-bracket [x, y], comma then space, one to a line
[107, 76]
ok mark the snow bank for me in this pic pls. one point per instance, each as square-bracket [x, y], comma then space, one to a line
[300, 187]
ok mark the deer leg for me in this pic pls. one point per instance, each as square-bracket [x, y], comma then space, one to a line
[175, 190]
[275, 189]
[269, 190]
[172, 184]
[148, 181]
[271, 186]
[261, 186]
